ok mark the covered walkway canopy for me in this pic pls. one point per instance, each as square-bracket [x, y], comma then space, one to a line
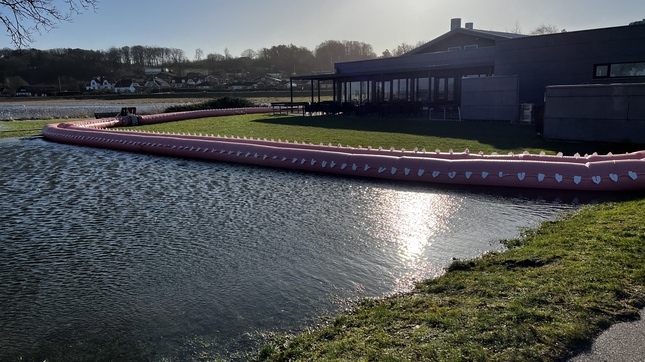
[426, 81]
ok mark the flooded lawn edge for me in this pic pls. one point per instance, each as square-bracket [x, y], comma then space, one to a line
[546, 298]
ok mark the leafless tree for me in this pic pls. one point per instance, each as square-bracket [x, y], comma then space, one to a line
[333, 51]
[199, 54]
[137, 54]
[516, 29]
[249, 53]
[215, 57]
[177, 55]
[211, 61]
[126, 55]
[545, 29]
[402, 49]
[23, 18]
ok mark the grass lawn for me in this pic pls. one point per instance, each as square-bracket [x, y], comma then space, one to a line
[12, 129]
[398, 133]
[545, 298]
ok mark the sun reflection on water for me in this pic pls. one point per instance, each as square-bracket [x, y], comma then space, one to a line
[414, 219]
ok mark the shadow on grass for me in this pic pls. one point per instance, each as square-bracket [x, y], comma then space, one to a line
[501, 135]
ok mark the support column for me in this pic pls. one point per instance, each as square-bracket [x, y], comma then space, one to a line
[318, 91]
[333, 86]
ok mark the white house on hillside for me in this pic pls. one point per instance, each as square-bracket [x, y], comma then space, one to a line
[127, 85]
[99, 83]
[183, 82]
[156, 84]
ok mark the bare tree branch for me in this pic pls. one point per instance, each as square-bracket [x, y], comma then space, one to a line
[23, 18]
[545, 29]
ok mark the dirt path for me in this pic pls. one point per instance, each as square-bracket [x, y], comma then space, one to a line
[622, 342]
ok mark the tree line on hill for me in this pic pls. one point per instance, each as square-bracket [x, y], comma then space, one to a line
[71, 69]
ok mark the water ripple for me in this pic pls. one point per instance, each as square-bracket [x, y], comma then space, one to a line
[148, 257]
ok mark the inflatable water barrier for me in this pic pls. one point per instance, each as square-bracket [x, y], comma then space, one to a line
[589, 172]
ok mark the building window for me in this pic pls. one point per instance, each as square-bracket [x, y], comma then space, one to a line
[619, 70]
[474, 46]
[400, 90]
[473, 76]
[451, 89]
[445, 89]
[441, 89]
[386, 91]
[627, 70]
[602, 71]
[433, 93]
[423, 90]
[452, 49]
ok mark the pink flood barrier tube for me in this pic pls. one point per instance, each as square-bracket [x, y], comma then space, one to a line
[595, 172]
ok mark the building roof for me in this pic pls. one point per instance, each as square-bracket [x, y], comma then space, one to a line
[125, 83]
[497, 34]
[434, 54]
[485, 34]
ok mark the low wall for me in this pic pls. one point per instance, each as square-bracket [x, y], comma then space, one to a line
[597, 112]
[490, 99]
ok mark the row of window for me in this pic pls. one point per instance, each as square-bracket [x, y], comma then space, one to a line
[424, 89]
[452, 49]
[619, 70]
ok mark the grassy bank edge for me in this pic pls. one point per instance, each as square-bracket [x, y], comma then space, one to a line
[545, 299]
[28, 128]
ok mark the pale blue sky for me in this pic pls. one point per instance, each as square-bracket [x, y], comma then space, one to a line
[214, 25]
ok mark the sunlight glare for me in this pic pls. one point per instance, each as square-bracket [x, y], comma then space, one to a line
[414, 219]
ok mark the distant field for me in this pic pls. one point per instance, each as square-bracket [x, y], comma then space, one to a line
[58, 108]
[125, 99]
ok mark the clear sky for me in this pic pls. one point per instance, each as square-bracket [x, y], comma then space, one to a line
[213, 25]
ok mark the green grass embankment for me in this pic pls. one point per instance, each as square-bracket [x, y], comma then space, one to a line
[399, 133]
[542, 300]
[15, 129]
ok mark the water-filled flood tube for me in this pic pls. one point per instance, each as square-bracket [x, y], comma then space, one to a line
[594, 172]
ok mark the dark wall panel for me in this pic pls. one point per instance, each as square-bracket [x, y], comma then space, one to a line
[567, 58]
[603, 113]
[490, 98]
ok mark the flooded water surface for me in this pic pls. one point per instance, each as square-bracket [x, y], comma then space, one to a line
[29, 110]
[111, 255]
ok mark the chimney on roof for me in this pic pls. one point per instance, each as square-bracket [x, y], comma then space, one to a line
[455, 23]
[470, 26]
